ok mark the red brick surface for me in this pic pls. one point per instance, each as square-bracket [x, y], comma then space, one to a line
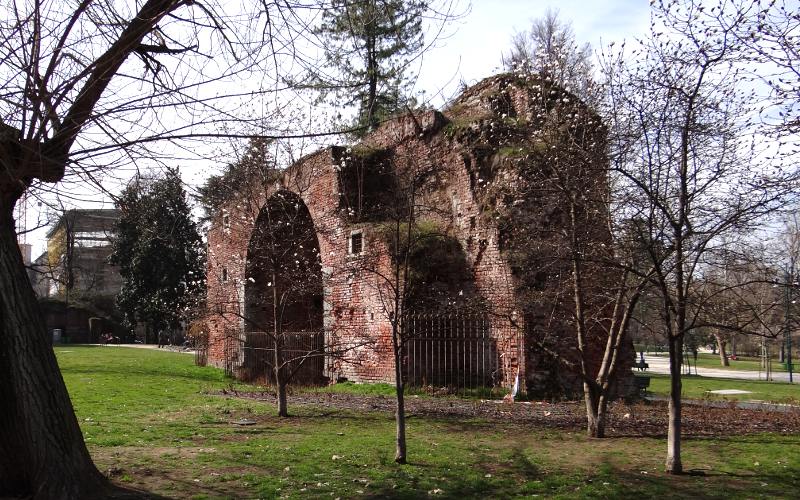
[353, 300]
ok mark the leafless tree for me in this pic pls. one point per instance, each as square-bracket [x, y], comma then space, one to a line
[549, 49]
[390, 196]
[770, 32]
[579, 285]
[737, 294]
[87, 86]
[790, 255]
[682, 146]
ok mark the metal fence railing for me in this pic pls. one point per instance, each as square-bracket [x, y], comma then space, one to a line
[301, 353]
[452, 350]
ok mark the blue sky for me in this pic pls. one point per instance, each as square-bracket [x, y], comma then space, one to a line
[474, 51]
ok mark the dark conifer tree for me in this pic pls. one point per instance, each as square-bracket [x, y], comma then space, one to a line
[368, 47]
[159, 253]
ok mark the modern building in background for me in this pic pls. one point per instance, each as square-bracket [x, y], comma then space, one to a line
[73, 279]
[78, 247]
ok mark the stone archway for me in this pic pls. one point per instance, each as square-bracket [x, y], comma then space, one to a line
[283, 293]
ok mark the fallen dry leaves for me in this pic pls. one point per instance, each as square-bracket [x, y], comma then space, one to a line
[643, 418]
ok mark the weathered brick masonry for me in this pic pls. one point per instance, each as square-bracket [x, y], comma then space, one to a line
[469, 164]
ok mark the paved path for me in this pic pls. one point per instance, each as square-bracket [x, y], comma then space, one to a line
[153, 346]
[657, 364]
[660, 364]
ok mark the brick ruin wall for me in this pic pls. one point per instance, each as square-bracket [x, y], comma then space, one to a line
[352, 303]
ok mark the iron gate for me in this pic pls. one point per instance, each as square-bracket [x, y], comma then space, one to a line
[302, 352]
[453, 350]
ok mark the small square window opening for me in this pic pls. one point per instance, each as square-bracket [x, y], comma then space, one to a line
[356, 243]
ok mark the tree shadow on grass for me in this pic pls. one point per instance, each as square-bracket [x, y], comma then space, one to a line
[461, 425]
[523, 466]
[308, 419]
[179, 487]
[454, 481]
[789, 439]
[704, 483]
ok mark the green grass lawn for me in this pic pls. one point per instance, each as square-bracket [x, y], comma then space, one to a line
[695, 387]
[705, 360]
[152, 422]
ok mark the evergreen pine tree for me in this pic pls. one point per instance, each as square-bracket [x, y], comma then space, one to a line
[368, 46]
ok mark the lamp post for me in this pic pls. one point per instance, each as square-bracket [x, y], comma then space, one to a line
[789, 355]
[788, 329]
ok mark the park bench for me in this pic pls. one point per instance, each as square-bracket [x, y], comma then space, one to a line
[641, 365]
[641, 383]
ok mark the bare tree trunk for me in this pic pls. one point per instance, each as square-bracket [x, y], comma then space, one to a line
[596, 406]
[674, 465]
[372, 76]
[723, 355]
[399, 386]
[43, 453]
[591, 393]
[398, 330]
[280, 383]
[283, 410]
[602, 412]
[400, 420]
[277, 343]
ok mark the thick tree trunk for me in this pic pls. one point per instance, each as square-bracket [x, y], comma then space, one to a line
[674, 465]
[723, 355]
[42, 452]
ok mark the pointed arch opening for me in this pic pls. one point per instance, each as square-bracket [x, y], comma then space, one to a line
[283, 292]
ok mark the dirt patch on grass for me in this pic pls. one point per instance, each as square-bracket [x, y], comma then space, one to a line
[147, 453]
[162, 469]
[639, 419]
